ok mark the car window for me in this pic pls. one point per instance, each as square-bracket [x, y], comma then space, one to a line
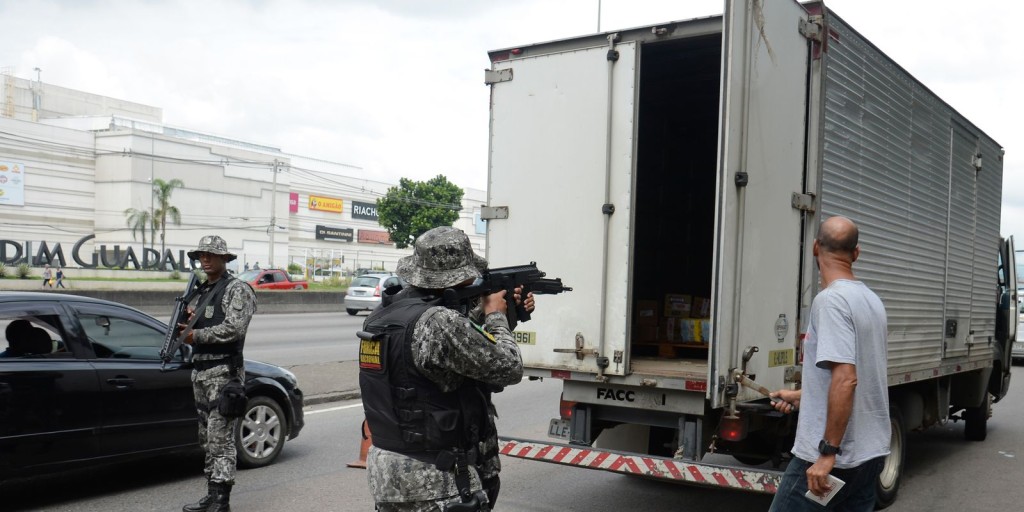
[248, 275]
[366, 282]
[279, 277]
[32, 334]
[122, 338]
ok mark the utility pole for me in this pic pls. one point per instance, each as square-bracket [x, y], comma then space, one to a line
[273, 214]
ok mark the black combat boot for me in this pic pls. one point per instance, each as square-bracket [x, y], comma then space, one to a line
[203, 503]
[221, 493]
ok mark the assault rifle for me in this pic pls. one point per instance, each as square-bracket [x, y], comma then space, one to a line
[173, 342]
[508, 278]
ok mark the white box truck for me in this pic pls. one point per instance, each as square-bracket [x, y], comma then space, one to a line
[672, 168]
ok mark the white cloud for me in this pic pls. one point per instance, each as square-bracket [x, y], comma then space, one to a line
[395, 86]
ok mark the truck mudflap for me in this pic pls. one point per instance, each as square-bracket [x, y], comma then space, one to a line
[661, 468]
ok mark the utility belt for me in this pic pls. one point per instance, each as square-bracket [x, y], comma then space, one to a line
[232, 401]
[235, 361]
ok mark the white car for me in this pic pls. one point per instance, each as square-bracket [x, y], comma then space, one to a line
[365, 291]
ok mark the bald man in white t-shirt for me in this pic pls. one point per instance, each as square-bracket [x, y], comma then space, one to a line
[843, 428]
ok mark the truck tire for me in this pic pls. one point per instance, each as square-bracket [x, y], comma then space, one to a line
[976, 420]
[352, 311]
[892, 471]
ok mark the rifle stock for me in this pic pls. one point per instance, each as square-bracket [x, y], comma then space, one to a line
[172, 341]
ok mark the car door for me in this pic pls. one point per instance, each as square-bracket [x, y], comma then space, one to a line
[145, 405]
[281, 281]
[49, 402]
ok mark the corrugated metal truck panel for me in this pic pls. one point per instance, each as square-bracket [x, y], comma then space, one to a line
[887, 165]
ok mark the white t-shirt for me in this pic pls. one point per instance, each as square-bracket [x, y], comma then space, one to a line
[847, 325]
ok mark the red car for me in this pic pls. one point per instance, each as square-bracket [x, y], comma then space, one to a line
[272, 279]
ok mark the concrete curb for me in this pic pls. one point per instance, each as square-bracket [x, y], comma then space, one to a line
[324, 398]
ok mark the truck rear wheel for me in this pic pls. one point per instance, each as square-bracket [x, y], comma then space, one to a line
[976, 420]
[352, 311]
[892, 471]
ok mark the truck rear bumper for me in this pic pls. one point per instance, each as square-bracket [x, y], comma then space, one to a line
[662, 468]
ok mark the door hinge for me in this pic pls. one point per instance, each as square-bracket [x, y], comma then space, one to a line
[493, 76]
[811, 28]
[493, 212]
[804, 202]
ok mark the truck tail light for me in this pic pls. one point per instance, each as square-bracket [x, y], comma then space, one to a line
[733, 429]
[565, 408]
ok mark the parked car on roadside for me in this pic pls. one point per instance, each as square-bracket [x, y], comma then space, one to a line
[272, 279]
[364, 292]
[81, 382]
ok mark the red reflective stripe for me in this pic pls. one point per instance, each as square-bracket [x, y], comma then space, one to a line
[561, 454]
[739, 478]
[505, 450]
[579, 456]
[544, 451]
[599, 459]
[524, 452]
[674, 470]
[697, 475]
[631, 464]
[720, 478]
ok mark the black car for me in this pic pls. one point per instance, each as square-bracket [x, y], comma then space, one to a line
[84, 383]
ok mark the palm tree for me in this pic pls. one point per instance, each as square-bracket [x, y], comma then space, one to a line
[139, 220]
[163, 190]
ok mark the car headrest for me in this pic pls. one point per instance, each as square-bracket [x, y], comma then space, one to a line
[36, 342]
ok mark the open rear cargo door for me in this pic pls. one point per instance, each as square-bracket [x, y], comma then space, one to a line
[561, 142]
[760, 168]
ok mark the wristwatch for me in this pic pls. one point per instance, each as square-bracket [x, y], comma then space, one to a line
[826, 449]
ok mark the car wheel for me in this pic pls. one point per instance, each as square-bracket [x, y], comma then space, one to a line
[352, 311]
[260, 433]
[892, 470]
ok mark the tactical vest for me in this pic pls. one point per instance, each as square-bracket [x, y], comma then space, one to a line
[218, 289]
[406, 412]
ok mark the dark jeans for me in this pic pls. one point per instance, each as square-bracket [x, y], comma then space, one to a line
[858, 495]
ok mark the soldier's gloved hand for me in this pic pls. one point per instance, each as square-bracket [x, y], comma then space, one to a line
[495, 303]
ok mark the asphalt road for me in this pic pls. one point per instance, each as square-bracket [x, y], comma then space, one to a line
[944, 472]
[305, 338]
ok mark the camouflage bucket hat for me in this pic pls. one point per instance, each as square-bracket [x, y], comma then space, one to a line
[212, 244]
[442, 257]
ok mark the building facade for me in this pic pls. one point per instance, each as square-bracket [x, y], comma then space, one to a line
[73, 166]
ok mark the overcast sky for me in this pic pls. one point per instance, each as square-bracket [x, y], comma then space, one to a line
[396, 86]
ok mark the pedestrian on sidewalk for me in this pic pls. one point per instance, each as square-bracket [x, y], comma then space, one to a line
[47, 275]
[60, 277]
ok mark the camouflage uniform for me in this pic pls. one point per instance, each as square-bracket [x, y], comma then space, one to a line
[447, 348]
[223, 324]
[216, 433]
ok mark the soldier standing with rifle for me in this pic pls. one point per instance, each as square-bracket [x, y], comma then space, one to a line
[426, 371]
[216, 330]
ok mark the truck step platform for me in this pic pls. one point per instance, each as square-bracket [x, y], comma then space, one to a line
[660, 468]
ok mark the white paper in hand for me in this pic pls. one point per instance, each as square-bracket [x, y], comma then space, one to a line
[823, 500]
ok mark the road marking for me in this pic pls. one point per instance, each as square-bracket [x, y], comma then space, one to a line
[334, 409]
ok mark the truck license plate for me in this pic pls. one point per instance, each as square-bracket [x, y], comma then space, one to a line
[558, 428]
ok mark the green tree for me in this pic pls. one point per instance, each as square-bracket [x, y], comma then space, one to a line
[140, 221]
[414, 207]
[163, 190]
